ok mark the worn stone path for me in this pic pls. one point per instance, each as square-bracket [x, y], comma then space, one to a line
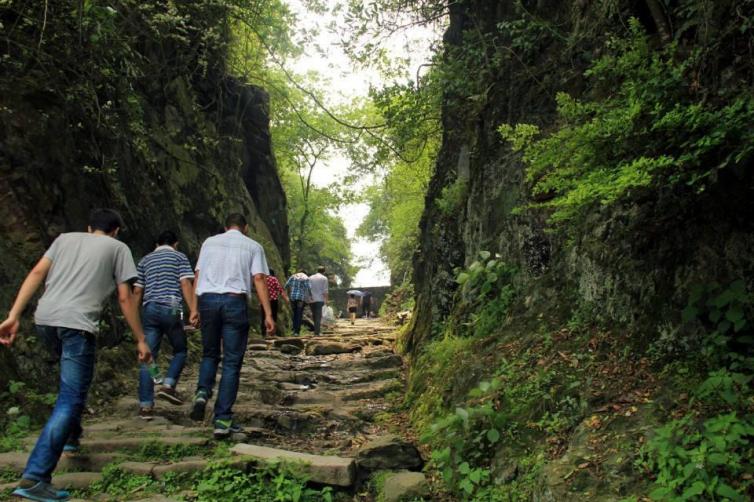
[311, 400]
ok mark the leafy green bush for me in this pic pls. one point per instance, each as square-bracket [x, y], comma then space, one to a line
[217, 482]
[705, 459]
[265, 485]
[22, 403]
[452, 197]
[485, 295]
[649, 126]
[707, 454]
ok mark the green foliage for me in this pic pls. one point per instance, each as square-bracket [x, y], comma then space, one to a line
[453, 197]
[648, 127]
[704, 459]
[156, 451]
[484, 297]
[265, 485]
[217, 482]
[706, 454]
[400, 299]
[22, 403]
[406, 158]
[318, 234]
[118, 482]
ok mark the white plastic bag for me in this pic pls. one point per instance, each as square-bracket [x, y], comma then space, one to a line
[328, 316]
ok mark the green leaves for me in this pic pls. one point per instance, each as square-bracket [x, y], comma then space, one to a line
[641, 130]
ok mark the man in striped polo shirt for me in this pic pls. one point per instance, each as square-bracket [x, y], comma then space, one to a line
[163, 276]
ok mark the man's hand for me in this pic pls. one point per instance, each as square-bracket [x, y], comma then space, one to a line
[269, 323]
[8, 331]
[194, 318]
[145, 355]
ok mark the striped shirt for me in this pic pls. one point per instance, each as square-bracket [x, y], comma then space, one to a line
[160, 274]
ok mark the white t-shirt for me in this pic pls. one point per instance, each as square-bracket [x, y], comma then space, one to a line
[318, 285]
[227, 263]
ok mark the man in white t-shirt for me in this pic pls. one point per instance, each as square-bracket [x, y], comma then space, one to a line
[318, 285]
[228, 263]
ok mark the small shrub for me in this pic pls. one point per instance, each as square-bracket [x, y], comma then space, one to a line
[452, 197]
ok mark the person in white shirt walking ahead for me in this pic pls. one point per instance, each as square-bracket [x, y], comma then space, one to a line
[318, 285]
[228, 263]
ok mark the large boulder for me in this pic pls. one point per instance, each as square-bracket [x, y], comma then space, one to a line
[388, 452]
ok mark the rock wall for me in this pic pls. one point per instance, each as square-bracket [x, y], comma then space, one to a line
[187, 150]
[632, 264]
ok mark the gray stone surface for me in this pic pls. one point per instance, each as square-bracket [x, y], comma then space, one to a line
[193, 465]
[76, 480]
[329, 470]
[402, 486]
[324, 349]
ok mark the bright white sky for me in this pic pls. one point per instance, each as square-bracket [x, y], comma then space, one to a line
[347, 82]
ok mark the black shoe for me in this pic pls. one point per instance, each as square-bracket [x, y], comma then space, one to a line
[146, 413]
[200, 404]
[169, 394]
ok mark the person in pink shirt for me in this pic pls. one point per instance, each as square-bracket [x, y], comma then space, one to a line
[275, 290]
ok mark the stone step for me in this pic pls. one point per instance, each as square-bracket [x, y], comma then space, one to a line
[16, 461]
[132, 443]
[328, 470]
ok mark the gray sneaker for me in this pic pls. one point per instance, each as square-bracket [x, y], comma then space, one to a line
[41, 492]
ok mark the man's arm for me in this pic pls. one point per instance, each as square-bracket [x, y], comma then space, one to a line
[138, 295]
[9, 327]
[194, 304]
[130, 310]
[188, 294]
[261, 286]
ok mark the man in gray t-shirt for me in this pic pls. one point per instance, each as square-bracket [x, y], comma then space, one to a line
[80, 270]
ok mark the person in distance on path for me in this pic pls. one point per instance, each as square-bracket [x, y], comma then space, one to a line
[164, 276]
[298, 291]
[318, 285]
[353, 307]
[80, 270]
[275, 291]
[228, 264]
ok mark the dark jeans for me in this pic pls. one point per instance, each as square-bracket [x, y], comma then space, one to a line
[162, 320]
[317, 315]
[75, 349]
[298, 315]
[225, 333]
[274, 307]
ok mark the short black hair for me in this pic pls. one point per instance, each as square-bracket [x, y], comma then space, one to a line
[167, 237]
[321, 270]
[105, 220]
[272, 272]
[235, 220]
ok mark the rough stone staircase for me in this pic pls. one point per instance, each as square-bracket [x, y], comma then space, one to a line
[314, 401]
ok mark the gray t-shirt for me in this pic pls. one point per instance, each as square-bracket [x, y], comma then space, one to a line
[85, 269]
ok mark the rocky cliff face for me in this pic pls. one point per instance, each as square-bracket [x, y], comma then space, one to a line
[634, 263]
[170, 150]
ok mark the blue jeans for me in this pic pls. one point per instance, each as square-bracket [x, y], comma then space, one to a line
[298, 315]
[317, 316]
[162, 320]
[225, 332]
[75, 349]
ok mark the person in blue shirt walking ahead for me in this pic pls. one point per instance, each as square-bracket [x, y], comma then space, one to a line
[163, 277]
[299, 290]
